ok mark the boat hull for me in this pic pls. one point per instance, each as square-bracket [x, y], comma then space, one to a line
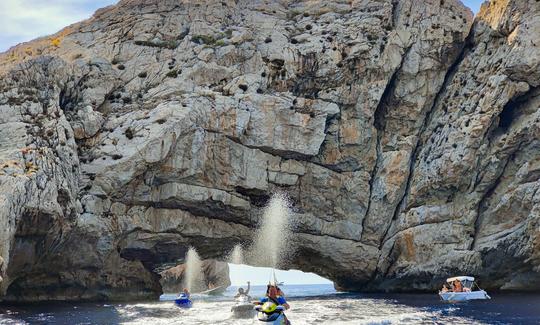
[464, 296]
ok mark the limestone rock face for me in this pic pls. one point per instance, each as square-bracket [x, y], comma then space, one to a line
[405, 135]
[216, 274]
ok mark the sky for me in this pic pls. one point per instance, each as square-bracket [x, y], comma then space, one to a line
[240, 274]
[24, 20]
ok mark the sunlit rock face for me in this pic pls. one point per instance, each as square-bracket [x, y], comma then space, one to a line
[405, 136]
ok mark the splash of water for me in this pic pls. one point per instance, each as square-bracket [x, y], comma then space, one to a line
[237, 255]
[270, 247]
[194, 277]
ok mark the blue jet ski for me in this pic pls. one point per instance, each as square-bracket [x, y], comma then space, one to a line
[183, 301]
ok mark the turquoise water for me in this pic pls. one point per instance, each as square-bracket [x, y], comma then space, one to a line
[310, 304]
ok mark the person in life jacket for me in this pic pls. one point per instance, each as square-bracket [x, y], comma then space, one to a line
[184, 294]
[274, 297]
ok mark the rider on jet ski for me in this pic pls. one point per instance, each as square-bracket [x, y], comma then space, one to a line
[275, 295]
[241, 292]
[184, 294]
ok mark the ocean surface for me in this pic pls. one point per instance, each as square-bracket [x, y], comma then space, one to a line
[310, 304]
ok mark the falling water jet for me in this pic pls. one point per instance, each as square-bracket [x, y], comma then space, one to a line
[194, 277]
[237, 255]
[272, 236]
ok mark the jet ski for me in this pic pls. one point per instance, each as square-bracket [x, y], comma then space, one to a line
[183, 301]
[271, 313]
[243, 308]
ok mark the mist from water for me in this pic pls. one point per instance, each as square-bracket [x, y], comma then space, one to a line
[237, 255]
[269, 248]
[194, 277]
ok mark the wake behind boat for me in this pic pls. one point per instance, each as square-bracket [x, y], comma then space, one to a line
[461, 288]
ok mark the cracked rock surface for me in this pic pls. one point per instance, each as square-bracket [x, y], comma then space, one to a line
[405, 134]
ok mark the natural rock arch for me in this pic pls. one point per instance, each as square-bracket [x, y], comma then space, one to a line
[156, 125]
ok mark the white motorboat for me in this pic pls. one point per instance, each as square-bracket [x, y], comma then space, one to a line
[467, 293]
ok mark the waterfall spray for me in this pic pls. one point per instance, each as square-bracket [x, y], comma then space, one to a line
[237, 255]
[194, 277]
[274, 231]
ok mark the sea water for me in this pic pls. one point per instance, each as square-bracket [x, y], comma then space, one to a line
[310, 304]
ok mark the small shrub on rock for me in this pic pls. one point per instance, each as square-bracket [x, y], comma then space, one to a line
[172, 74]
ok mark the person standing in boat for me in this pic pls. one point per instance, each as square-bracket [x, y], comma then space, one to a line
[458, 287]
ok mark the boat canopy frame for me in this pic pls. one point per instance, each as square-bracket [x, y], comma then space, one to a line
[460, 278]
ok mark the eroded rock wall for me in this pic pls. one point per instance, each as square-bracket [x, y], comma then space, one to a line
[404, 134]
[471, 200]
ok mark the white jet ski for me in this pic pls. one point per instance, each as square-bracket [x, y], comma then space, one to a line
[243, 308]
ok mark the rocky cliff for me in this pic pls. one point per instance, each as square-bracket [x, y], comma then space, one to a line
[405, 134]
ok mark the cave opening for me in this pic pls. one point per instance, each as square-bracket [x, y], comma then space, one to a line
[241, 273]
[224, 279]
[507, 115]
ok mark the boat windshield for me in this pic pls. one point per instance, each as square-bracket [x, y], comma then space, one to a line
[465, 283]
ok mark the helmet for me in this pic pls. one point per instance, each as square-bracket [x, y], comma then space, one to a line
[268, 307]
